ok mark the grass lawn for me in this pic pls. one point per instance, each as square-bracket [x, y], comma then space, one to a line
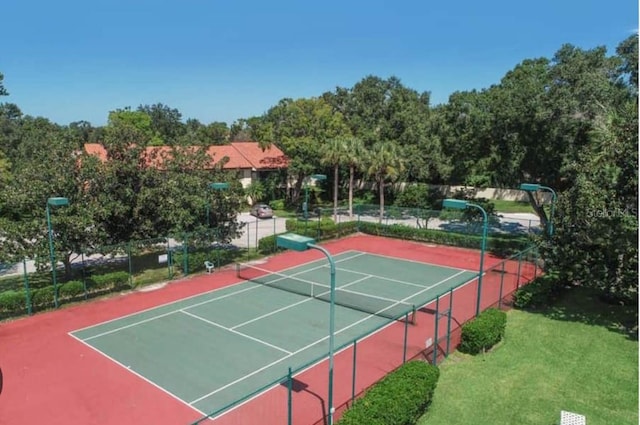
[574, 356]
[504, 206]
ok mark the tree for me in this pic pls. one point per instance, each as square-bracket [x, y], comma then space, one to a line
[299, 128]
[3, 91]
[166, 123]
[595, 243]
[334, 153]
[355, 157]
[385, 163]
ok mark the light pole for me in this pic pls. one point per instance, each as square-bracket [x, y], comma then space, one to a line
[534, 187]
[305, 206]
[54, 202]
[303, 243]
[460, 204]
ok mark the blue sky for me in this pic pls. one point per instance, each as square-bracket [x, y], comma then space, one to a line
[220, 61]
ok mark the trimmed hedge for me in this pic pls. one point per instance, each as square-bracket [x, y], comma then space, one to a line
[113, 280]
[327, 229]
[483, 332]
[13, 301]
[537, 293]
[499, 245]
[71, 289]
[400, 398]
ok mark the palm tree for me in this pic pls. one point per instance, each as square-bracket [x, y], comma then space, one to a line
[385, 164]
[355, 156]
[334, 153]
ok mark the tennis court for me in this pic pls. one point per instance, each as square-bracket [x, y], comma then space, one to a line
[212, 349]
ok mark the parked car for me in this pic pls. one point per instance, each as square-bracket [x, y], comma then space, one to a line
[261, 211]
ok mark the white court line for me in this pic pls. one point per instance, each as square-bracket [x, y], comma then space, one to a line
[138, 375]
[414, 261]
[292, 305]
[382, 277]
[234, 331]
[194, 305]
[316, 342]
[240, 282]
[344, 347]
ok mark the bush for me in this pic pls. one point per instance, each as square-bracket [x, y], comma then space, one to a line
[12, 301]
[71, 289]
[499, 245]
[537, 293]
[43, 297]
[400, 398]
[483, 332]
[108, 281]
[277, 204]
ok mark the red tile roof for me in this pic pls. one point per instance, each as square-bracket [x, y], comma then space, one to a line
[238, 155]
[270, 158]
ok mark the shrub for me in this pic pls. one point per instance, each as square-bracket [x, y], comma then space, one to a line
[12, 300]
[43, 297]
[537, 293]
[483, 332]
[400, 398]
[277, 204]
[71, 289]
[109, 280]
[499, 245]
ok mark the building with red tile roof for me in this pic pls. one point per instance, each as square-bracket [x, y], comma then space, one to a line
[247, 158]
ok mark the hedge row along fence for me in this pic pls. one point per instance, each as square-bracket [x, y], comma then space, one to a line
[41, 298]
[483, 332]
[400, 398]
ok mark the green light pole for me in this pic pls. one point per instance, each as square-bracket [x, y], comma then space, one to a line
[459, 204]
[303, 243]
[54, 202]
[534, 187]
[305, 206]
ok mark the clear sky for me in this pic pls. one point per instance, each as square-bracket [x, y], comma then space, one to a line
[71, 60]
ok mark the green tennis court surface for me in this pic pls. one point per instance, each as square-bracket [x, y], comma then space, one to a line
[215, 348]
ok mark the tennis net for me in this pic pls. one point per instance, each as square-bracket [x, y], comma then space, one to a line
[367, 303]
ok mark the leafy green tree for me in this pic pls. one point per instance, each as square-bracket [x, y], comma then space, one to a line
[3, 91]
[166, 123]
[299, 128]
[377, 109]
[255, 191]
[385, 163]
[595, 242]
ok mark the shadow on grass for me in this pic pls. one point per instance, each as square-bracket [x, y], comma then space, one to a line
[578, 304]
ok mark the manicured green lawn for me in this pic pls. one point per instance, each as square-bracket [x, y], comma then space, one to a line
[512, 206]
[559, 359]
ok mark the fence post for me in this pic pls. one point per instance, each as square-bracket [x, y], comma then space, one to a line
[275, 240]
[84, 278]
[535, 264]
[501, 285]
[130, 264]
[449, 320]
[256, 233]
[435, 339]
[185, 255]
[353, 373]
[27, 291]
[404, 344]
[519, 270]
[289, 397]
